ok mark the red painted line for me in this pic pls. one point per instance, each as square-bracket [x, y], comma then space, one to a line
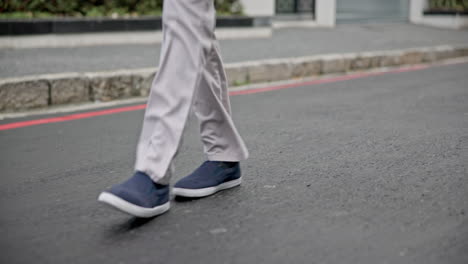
[233, 93]
[71, 117]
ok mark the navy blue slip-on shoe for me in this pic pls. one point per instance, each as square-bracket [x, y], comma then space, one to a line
[138, 196]
[209, 178]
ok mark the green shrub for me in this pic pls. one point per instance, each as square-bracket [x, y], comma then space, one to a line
[35, 8]
[448, 5]
[228, 7]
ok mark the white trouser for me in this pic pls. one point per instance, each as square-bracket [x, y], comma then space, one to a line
[190, 74]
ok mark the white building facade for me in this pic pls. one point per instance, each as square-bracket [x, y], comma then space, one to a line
[327, 13]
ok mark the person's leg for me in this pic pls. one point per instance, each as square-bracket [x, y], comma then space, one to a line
[188, 29]
[220, 138]
[222, 143]
[188, 39]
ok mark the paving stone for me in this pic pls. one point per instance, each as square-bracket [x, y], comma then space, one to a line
[361, 62]
[444, 52]
[69, 89]
[236, 74]
[336, 63]
[270, 70]
[412, 57]
[21, 94]
[306, 67]
[391, 59]
[107, 87]
[142, 81]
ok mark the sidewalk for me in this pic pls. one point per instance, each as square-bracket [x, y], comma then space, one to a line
[284, 43]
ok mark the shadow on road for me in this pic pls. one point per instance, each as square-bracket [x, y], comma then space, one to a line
[126, 230]
[134, 223]
[182, 199]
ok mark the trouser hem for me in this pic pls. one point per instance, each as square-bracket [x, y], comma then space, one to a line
[159, 180]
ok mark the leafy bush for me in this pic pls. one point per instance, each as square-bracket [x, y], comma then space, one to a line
[35, 8]
[448, 5]
[228, 7]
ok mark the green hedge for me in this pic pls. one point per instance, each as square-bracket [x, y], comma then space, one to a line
[40, 8]
[448, 5]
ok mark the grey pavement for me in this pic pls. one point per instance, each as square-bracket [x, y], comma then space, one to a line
[371, 170]
[284, 43]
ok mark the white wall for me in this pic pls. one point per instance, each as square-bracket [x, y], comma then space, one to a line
[325, 12]
[416, 10]
[258, 7]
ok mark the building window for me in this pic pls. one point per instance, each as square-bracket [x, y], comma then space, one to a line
[295, 6]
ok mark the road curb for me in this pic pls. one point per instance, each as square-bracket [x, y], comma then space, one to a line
[40, 91]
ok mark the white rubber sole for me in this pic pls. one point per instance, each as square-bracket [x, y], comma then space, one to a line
[129, 208]
[205, 191]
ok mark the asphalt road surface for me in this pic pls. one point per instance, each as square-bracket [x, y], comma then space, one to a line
[371, 170]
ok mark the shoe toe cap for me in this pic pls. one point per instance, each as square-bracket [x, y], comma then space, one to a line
[128, 196]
